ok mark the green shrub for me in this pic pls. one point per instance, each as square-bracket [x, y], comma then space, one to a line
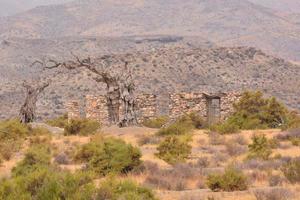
[9, 147]
[231, 180]
[183, 125]
[225, 128]
[127, 190]
[253, 111]
[194, 119]
[173, 150]
[36, 157]
[292, 121]
[60, 122]
[12, 135]
[48, 183]
[180, 127]
[259, 148]
[81, 127]
[291, 171]
[109, 156]
[12, 130]
[266, 111]
[156, 122]
[35, 178]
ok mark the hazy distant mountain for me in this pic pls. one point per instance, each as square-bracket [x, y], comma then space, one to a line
[292, 6]
[225, 22]
[11, 7]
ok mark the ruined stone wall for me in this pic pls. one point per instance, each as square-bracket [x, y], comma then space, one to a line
[147, 106]
[96, 109]
[73, 109]
[184, 103]
[227, 103]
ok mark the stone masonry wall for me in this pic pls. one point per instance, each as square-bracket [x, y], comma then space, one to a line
[184, 103]
[96, 108]
[227, 103]
[147, 106]
[73, 109]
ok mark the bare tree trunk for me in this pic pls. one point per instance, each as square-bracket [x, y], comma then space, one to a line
[120, 87]
[128, 99]
[28, 110]
[113, 101]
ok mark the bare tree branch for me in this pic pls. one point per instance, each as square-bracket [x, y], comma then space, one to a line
[120, 86]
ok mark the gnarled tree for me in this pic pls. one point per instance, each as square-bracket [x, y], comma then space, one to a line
[117, 77]
[28, 110]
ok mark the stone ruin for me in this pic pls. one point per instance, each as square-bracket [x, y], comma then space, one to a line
[212, 107]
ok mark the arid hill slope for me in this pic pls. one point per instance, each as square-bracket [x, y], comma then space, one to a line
[175, 69]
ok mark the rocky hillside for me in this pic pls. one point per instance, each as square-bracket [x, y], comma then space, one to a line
[226, 22]
[174, 69]
[286, 6]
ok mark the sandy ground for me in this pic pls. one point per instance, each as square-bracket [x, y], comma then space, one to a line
[131, 135]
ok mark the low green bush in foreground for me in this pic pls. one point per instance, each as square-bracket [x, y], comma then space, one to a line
[174, 150]
[231, 180]
[127, 190]
[259, 148]
[35, 178]
[13, 134]
[109, 155]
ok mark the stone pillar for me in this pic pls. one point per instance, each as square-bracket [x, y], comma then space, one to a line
[73, 110]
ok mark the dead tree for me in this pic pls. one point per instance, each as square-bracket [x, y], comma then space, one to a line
[28, 110]
[120, 85]
[128, 99]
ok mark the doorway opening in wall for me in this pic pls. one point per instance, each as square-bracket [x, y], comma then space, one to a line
[213, 105]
